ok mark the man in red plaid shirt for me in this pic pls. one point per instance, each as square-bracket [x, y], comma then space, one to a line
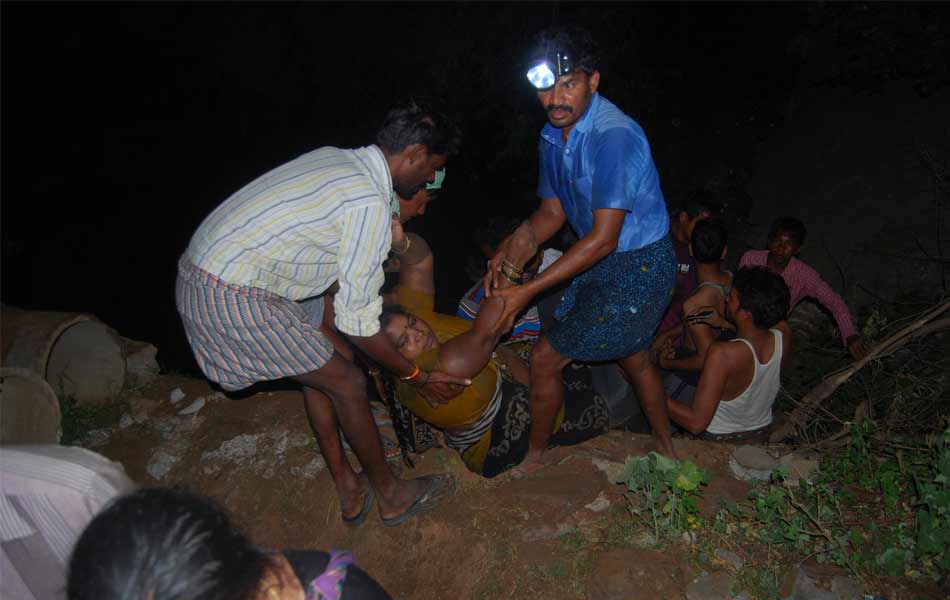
[786, 237]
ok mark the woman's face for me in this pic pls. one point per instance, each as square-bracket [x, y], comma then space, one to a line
[411, 336]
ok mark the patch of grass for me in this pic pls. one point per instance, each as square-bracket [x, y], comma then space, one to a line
[572, 541]
[79, 419]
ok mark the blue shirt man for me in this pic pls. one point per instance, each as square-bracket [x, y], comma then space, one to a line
[597, 174]
[605, 163]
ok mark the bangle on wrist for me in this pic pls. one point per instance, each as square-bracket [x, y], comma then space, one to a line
[406, 249]
[412, 375]
[514, 280]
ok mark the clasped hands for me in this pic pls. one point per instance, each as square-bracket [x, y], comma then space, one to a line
[503, 280]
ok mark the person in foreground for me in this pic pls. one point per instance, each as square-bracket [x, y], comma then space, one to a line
[786, 237]
[487, 423]
[596, 173]
[319, 222]
[48, 494]
[171, 544]
[740, 378]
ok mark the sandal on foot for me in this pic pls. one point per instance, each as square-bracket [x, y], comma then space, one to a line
[438, 488]
[358, 519]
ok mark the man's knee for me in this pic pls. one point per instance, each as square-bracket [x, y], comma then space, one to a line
[545, 358]
[637, 365]
[339, 379]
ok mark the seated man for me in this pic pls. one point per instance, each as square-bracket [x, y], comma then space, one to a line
[681, 229]
[741, 377]
[488, 423]
[168, 543]
[683, 349]
[786, 237]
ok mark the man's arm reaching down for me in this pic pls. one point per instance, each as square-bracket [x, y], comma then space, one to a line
[712, 383]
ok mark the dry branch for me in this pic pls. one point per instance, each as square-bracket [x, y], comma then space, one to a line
[805, 410]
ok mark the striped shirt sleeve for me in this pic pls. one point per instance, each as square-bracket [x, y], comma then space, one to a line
[365, 241]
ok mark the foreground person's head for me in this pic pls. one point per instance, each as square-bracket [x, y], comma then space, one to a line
[408, 333]
[758, 297]
[416, 142]
[164, 544]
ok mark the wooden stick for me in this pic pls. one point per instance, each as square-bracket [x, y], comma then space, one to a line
[803, 412]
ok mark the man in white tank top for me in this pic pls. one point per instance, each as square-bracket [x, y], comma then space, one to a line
[740, 378]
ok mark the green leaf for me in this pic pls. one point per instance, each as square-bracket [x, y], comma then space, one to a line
[893, 561]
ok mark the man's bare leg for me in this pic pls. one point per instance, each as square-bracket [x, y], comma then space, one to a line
[350, 488]
[546, 397]
[345, 386]
[649, 385]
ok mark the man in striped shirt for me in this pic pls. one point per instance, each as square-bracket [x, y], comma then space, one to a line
[319, 221]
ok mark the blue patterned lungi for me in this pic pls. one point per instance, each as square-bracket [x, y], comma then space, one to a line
[612, 310]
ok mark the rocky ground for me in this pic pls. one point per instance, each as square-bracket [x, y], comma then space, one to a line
[564, 533]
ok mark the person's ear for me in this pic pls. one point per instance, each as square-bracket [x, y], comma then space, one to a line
[416, 153]
[593, 81]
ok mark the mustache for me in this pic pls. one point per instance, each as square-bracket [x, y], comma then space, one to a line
[563, 107]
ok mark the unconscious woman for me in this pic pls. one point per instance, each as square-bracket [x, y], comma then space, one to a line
[487, 424]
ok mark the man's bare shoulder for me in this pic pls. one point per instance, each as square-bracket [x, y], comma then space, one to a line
[726, 354]
[704, 296]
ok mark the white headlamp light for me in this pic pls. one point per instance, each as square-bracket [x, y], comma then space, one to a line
[544, 72]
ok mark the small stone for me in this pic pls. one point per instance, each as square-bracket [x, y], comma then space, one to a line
[710, 586]
[612, 469]
[751, 463]
[97, 437]
[126, 421]
[194, 407]
[546, 532]
[800, 466]
[310, 470]
[160, 464]
[729, 557]
[689, 537]
[176, 396]
[299, 440]
[600, 504]
[235, 449]
[807, 587]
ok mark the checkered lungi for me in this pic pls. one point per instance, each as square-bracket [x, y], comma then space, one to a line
[242, 335]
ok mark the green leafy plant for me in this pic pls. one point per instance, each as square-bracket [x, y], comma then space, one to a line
[664, 492]
[933, 512]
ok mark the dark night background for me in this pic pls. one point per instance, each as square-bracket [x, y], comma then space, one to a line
[125, 124]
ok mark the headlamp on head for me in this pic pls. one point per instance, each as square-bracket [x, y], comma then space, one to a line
[545, 71]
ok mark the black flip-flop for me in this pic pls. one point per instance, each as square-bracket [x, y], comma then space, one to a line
[440, 487]
[357, 520]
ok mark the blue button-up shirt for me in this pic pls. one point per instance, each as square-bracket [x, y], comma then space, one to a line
[605, 163]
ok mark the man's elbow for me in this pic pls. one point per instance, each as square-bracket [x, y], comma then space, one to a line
[605, 247]
[695, 427]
